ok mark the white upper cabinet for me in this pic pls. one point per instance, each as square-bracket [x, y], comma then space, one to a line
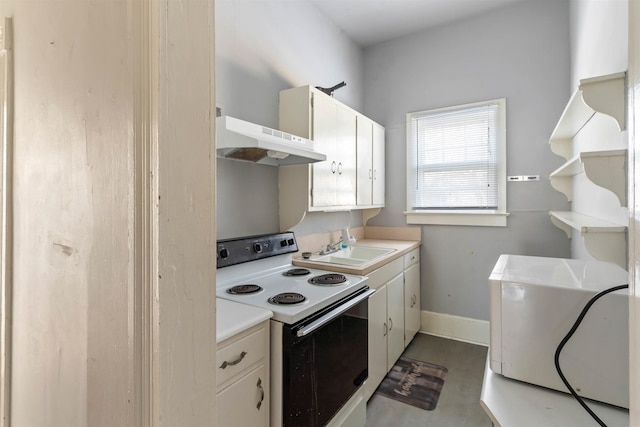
[353, 144]
[333, 131]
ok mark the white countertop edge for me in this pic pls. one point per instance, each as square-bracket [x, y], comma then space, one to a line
[233, 318]
[511, 403]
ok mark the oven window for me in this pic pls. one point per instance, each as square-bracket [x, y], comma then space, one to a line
[324, 369]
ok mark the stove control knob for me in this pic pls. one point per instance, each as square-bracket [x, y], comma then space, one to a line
[224, 253]
[291, 242]
[257, 247]
[283, 243]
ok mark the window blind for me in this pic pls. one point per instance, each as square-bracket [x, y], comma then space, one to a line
[455, 158]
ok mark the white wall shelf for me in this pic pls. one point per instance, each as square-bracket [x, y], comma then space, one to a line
[604, 94]
[607, 169]
[604, 240]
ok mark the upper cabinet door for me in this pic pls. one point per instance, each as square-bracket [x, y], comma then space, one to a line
[325, 134]
[346, 157]
[365, 161]
[378, 165]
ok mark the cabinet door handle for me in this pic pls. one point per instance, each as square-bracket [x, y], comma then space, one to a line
[375, 174]
[340, 168]
[233, 362]
[259, 385]
[390, 324]
[386, 329]
[370, 174]
[333, 167]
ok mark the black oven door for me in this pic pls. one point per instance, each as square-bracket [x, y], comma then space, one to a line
[325, 360]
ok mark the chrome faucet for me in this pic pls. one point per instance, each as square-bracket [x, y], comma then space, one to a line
[331, 248]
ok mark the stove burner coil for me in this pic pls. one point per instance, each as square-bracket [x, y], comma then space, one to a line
[297, 272]
[287, 298]
[244, 289]
[328, 279]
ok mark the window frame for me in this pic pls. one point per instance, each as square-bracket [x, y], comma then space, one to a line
[483, 217]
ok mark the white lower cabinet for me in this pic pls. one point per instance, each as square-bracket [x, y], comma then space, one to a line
[244, 403]
[386, 321]
[243, 379]
[411, 295]
[394, 314]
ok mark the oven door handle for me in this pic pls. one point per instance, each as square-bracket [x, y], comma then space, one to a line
[334, 313]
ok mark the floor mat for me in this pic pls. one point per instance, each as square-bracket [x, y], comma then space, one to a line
[414, 382]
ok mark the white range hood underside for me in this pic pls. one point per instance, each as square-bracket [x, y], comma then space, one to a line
[241, 140]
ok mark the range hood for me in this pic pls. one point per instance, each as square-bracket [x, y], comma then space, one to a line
[241, 140]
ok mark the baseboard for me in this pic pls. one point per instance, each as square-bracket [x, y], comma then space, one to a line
[455, 327]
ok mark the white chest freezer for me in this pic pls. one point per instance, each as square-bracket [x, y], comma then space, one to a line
[535, 302]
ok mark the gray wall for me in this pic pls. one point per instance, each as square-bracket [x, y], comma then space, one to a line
[520, 52]
[263, 47]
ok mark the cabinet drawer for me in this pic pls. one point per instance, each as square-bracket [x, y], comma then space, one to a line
[412, 257]
[385, 273]
[241, 354]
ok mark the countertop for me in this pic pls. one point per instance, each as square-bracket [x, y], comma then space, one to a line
[401, 247]
[511, 403]
[233, 318]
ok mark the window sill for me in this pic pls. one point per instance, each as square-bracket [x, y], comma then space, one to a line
[481, 219]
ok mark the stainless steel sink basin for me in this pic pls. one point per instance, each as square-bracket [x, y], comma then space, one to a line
[353, 256]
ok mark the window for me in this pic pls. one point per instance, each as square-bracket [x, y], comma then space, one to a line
[456, 172]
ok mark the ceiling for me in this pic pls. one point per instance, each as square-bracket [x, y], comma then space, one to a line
[369, 22]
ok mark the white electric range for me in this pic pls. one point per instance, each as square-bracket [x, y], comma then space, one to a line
[319, 329]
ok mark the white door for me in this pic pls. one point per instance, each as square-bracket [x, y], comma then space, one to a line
[378, 144]
[633, 82]
[378, 331]
[395, 319]
[104, 268]
[346, 158]
[245, 402]
[365, 161]
[325, 137]
[412, 302]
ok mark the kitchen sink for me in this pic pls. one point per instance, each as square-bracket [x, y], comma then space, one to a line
[353, 256]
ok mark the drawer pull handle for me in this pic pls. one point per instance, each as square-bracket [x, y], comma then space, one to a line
[259, 385]
[234, 362]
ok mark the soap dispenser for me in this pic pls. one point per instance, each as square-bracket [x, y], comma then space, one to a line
[347, 239]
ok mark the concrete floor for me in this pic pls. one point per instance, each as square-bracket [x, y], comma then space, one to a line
[459, 402]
